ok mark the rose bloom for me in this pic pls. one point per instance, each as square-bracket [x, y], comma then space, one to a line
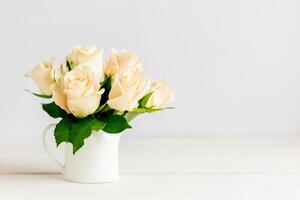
[161, 96]
[123, 62]
[90, 57]
[42, 76]
[77, 92]
[127, 89]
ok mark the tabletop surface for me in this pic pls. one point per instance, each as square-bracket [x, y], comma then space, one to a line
[164, 168]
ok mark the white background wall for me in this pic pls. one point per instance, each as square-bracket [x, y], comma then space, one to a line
[234, 65]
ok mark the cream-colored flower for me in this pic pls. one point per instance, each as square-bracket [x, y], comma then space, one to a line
[42, 76]
[77, 92]
[161, 95]
[123, 62]
[127, 89]
[90, 57]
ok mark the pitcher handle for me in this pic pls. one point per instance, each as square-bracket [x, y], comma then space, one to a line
[47, 150]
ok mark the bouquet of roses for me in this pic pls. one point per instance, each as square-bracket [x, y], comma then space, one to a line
[91, 95]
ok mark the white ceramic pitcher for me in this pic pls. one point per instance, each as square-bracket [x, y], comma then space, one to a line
[97, 161]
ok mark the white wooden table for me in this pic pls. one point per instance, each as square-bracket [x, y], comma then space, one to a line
[164, 168]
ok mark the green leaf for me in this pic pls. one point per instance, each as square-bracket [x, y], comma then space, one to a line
[103, 108]
[106, 84]
[143, 101]
[62, 130]
[53, 110]
[130, 115]
[115, 124]
[144, 110]
[40, 95]
[149, 110]
[69, 65]
[82, 129]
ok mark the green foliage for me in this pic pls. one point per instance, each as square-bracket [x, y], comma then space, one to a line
[130, 116]
[75, 131]
[62, 130]
[40, 95]
[69, 65]
[137, 111]
[53, 110]
[143, 101]
[144, 110]
[82, 129]
[115, 124]
[102, 108]
[106, 84]
[149, 110]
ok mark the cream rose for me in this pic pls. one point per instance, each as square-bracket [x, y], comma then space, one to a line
[77, 92]
[123, 62]
[90, 57]
[127, 89]
[161, 95]
[42, 76]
